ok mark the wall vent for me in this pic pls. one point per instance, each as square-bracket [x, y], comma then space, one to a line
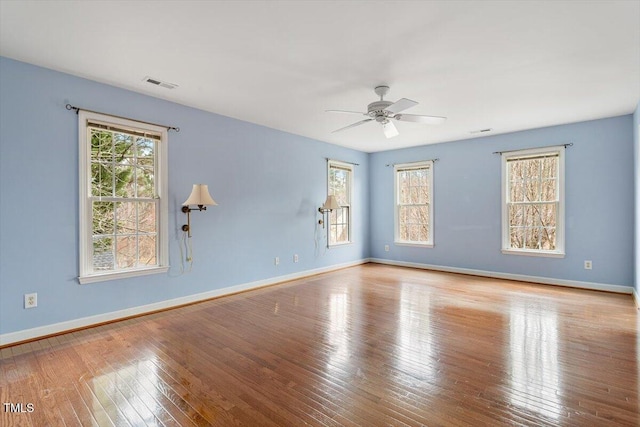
[481, 130]
[160, 83]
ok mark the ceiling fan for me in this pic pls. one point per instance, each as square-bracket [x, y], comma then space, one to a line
[384, 111]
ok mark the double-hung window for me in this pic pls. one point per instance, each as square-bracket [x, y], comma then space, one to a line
[533, 202]
[123, 198]
[340, 185]
[414, 203]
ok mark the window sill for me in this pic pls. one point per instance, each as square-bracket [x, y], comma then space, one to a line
[337, 245]
[417, 245]
[102, 277]
[547, 254]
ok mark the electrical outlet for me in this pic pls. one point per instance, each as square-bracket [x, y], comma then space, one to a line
[276, 261]
[386, 248]
[588, 265]
[295, 258]
[30, 300]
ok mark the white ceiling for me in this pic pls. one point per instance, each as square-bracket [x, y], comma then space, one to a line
[483, 64]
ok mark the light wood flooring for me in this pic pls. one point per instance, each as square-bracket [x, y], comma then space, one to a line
[371, 345]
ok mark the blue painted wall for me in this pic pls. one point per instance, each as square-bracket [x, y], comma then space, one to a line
[636, 169]
[268, 185]
[599, 203]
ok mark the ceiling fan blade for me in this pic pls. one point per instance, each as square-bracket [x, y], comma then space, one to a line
[401, 105]
[389, 130]
[429, 120]
[361, 122]
[345, 111]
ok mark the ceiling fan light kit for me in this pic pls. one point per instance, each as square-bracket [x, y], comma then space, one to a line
[384, 111]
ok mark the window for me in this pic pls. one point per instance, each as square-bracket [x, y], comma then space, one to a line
[340, 185]
[414, 204]
[533, 202]
[123, 198]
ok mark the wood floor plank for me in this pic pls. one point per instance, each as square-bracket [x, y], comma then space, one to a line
[371, 345]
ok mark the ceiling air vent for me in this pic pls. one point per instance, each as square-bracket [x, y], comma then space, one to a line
[481, 131]
[160, 83]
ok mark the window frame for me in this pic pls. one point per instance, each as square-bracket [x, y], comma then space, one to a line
[559, 252]
[87, 274]
[426, 164]
[350, 168]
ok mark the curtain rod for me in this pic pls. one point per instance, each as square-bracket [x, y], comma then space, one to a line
[77, 110]
[569, 144]
[407, 163]
[341, 161]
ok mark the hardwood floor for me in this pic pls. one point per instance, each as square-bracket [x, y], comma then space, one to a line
[371, 345]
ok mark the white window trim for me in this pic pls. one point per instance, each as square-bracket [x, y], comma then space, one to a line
[352, 174]
[396, 225]
[560, 226]
[86, 274]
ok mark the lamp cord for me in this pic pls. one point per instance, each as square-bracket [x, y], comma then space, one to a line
[188, 250]
[316, 240]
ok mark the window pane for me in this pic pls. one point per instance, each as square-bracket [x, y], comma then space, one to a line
[126, 249]
[145, 147]
[147, 250]
[424, 177]
[549, 239]
[549, 190]
[414, 178]
[516, 170]
[341, 233]
[424, 233]
[123, 147]
[126, 218]
[423, 195]
[516, 192]
[145, 184]
[423, 214]
[403, 231]
[333, 216]
[103, 253]
[532, 168]
[338, 185]
[101, 145]
[532, 238]
[411, 215]
[102, 175]
[124, 181]
[531, 215]
[517, 237]
[516, 215]
[550, 167]
[532, 190]
[414, 197]
[414, 232]
[103, 214]
[548, 215]
[146, 217]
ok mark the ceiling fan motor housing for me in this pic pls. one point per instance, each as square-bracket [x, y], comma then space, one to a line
[376, 110]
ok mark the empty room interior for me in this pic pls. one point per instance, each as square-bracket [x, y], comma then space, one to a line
[286, 213]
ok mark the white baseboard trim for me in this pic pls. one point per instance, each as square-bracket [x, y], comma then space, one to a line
[636, 298]
[519, 277]
[70, 325]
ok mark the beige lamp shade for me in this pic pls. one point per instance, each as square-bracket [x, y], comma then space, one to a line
[331, 203]
[200, 196]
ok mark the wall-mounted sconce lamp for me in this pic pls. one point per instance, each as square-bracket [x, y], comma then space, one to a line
[330, 204]
[200, 197]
